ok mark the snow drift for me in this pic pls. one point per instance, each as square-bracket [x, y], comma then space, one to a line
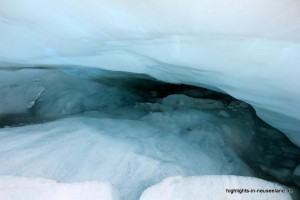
[217, 188]
[19, 188]
[173, 188]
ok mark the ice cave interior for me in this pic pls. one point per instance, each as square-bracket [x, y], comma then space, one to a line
[149, 100]
[132, 130]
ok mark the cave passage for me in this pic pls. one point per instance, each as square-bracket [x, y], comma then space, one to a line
[74, 124]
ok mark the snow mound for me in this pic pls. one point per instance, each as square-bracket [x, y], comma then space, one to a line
[215, 188]
[19, 188]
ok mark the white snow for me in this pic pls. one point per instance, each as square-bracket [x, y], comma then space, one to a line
[249, 49]
[20, 188]
[215, 188]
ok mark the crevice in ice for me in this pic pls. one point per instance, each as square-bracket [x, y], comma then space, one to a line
[74, 124]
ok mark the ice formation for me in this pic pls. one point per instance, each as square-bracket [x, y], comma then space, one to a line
[130, 144]
[63, 117]
[75, 125]
[248, 49]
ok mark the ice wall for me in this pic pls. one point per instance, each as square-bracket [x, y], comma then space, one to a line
[249, 49]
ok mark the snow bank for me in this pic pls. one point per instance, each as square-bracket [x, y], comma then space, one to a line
[249, 49]
[216, 188]
[18, 188]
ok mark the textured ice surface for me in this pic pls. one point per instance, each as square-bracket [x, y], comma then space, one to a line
[58, 92]
[114, 137]
[215, 188]
[131, 154]
[18, 188]
[250, 49]
[93, 125]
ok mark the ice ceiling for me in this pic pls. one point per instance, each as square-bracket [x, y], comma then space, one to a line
[50, 52]
[248, 49]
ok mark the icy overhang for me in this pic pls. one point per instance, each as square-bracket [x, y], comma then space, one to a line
[249, 49]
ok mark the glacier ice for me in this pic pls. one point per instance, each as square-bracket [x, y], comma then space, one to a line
[58, 109]
[131, 130]
[131, 154]
[248, 49]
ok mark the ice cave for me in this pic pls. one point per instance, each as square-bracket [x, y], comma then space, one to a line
[150, 100]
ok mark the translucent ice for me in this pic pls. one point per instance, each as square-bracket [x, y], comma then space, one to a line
[249, 49]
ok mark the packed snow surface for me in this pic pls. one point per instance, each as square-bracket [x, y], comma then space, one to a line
[19, 188]
[249, 49]
[172, 188]
[216, 188]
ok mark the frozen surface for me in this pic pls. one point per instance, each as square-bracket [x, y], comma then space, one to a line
[115, 136]
[18, 188]
[131, 154]
[58, 92]
[250, 49]
[75, 125]
[215, 188]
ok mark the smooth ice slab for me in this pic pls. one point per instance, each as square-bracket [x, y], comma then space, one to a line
[216, 188]
[19, 188]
